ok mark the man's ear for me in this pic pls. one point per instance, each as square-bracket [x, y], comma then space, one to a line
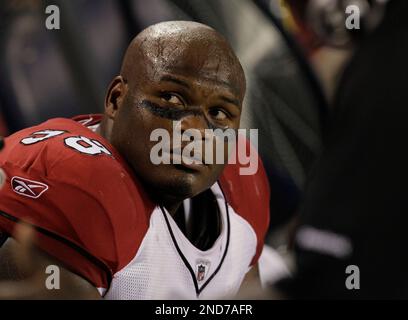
[114, 97]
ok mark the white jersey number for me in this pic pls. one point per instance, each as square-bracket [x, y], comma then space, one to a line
[79, 143]
[86, 145]
[41, 136]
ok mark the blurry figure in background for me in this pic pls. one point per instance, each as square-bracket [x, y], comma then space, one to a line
[2, 174]
[327, 60]
[352, 236]
[116, 222]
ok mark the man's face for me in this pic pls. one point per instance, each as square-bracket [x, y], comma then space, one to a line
[199, 85]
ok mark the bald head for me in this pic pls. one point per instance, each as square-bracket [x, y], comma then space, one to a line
[186, 48]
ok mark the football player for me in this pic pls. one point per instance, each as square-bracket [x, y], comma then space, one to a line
[111, 220]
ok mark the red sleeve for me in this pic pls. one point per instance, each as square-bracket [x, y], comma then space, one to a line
[249, 195]
[53, 214]
[84, 206]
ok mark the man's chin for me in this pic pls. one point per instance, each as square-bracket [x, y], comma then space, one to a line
[177, 182]
[177, 185]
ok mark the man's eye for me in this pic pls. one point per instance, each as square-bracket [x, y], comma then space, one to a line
[218, 114]
[172, 98]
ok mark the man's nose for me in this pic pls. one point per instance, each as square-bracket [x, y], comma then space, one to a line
[195, 122]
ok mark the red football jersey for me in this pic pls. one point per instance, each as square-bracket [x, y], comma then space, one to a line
[89, 210]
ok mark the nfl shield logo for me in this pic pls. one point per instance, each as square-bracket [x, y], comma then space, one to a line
[202, 267]
[200, 272]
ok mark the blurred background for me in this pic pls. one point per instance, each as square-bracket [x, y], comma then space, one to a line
[62, 73]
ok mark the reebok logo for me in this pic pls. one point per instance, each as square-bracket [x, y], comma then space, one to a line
[28, 188]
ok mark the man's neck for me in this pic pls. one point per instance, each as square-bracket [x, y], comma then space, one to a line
[171, 204]
[105, 128]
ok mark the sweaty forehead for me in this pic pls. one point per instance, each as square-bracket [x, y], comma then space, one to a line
[196, 53]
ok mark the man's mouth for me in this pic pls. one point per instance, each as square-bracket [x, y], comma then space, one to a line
[191, 163]
[196, 157]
